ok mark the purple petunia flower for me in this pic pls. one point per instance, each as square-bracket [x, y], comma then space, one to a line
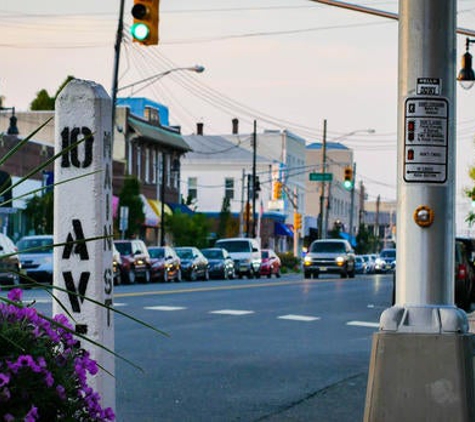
[4, 379]
[15, 295]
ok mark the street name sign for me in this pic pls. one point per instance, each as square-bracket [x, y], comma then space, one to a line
[321, 177]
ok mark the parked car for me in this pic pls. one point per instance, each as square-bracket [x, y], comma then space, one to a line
[221, 265]
[165, 264]
[36, 257]
[368, 259]
[246, 254]
[360, 265]
[194, 265]
[271, 264]
[389, 256]
[10, 265]
[329, 256]
[116, 266]
[464, 272]
[380, 265]
[135, 260]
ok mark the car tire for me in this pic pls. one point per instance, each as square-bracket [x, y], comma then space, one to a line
[147, 277]
[277, 274]
[178, 277]
[131, 277]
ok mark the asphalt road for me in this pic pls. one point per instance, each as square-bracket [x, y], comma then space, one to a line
[248, 350]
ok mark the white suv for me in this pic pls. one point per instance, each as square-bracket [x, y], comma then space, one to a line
[246, 254]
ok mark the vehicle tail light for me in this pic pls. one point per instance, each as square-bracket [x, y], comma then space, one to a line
[461, 272]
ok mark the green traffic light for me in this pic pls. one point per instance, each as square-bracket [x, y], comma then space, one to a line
[140, 31]
[348, 184]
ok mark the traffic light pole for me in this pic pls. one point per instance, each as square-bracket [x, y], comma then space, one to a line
[422, 361]
[352, 200]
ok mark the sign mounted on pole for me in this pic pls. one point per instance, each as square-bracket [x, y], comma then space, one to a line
[320, 177]
[426, 139]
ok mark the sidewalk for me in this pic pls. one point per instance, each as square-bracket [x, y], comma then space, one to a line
[342, 402]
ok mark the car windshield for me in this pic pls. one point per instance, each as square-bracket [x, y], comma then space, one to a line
[124, 248]
[235, 246]
[213, 253]
[185, 253]
[157, 253]
[36, 245]
[327, 247]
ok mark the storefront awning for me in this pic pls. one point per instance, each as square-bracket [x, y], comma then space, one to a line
[158, 134]
[151, 217]
[181, 208]
[281, 229]
[157, 207]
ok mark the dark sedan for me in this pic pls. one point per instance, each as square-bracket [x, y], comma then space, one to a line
[165, 264]
[194, 265]
[221, 265]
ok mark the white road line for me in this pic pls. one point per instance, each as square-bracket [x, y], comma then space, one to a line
[363, 324]
[299, 318]
[119, 304]
[164, 308]
[231, 312]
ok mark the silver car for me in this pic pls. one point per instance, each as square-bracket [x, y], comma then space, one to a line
[36, 257]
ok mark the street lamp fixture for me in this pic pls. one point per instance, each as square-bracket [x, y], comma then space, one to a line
[152, 79]
[466, 76]
[12, 129]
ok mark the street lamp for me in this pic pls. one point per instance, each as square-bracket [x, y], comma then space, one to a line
[12, 129]
[323, 223]
[152, 79]
[466, 75]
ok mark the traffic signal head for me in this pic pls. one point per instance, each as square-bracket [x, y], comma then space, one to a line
[348, 178]
[297, 221]
[277, 190]
[145, 27]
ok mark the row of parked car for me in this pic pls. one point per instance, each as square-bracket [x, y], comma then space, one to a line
[381, 263]
[134, 261]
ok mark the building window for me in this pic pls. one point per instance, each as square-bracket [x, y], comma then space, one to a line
[155, 167]
[192, 188]
[229, 188]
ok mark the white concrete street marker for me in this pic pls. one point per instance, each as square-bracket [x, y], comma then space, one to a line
[83, 211]
[363, 324]
[299, 318]
[231, 312]
[164, 308]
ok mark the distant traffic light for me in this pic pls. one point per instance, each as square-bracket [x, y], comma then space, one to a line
[145, 27]
[277, 190]
[297, 221]
[348, 178]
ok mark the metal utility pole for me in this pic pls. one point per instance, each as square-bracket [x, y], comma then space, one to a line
[352, 200]
[254, 151]
[321, 225]
[115, 76]
[422, 361]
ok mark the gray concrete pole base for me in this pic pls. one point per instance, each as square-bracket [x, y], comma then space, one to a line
[421, 377]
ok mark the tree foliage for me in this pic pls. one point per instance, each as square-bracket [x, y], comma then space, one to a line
[188, 230]
[39, 212]
[44, 101]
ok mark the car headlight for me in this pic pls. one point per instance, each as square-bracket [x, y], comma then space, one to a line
[307, 259]
[340, 261]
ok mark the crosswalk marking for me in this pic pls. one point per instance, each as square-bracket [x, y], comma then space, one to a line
[165, 308]
[299, 318]
[231, 312]
[363, 324]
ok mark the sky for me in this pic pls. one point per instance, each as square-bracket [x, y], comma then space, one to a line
[288, 64]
